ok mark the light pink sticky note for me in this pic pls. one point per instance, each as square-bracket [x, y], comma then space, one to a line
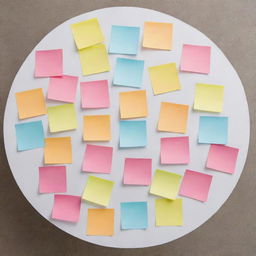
[97, 159]
[49, 63]
[195, 185]
[222, 158]
[196, 58]
[52, 179]
[62, 88]
[66, 207]
[175, 150]
[95, 94]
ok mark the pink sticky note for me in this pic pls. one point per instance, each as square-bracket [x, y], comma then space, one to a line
[52, 179]
[49, 63]
[175, 150]
[63, 88]
[222, 158]
[195, 185]
[95, 94]
[137, 171]
[66, 207]
[195, 58]
[97, 159]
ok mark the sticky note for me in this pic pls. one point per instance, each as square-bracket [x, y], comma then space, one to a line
[165, 184]
[95, 94]
[173, 117]
[169, 212]
[196, 58]
[30, 103]
[134, 215]
[97, 159]
[94, 59]
[157, 35]
[100, 222]
[62, 118]
[137, 171]
[98, 190]
[175, 150]
[62, 88]
[52, 179]
[164, 78]
[222, 158]
[97, 128]
[213, 129]
[133, 134]
[124, 40]
[128, 72]
[87, 33]
[195, 185]
[58, 150]
[66, 208]
[209, 97]
[49, 63]
[133, 104]
[29, 135]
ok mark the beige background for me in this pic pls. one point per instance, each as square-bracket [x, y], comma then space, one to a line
[231, 24]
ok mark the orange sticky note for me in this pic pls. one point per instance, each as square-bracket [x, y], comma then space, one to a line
[58, 150]
[30, 103]
[173, 117]
[97, 128]
[100, 222]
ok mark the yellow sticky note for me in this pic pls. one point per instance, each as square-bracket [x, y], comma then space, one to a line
[30, 103]
[164, 78]
[173, 117]
[87, 33]
[100, 222]
[58, 150]
[94, 59]
[169, 212]
[97, 128]
[209, 97]
[133, 104]
[98, 190]
[157, 35]
[62, 118]
[165, 184]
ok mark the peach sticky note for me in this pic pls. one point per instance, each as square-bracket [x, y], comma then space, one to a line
[173, 117]
[58, 150]
[97, 159]
[195, 185]
[30, 103]
[196, 58]
[97, 128]
[164, 78]
[222, 158]
[157, 35]
[133, 104]
[100, 222]
[66, 208]
[49, 63]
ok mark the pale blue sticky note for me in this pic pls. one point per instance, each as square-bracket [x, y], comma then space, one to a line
[134, 215]
[29, 135]
[133, 134]
[128, 72]
[213, 129]
[124, 40]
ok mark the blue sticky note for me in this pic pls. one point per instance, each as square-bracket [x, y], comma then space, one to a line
[213, 129]
[133, 134]
[128, 72]
[134, 215]
[124, 40]
[29, 135]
